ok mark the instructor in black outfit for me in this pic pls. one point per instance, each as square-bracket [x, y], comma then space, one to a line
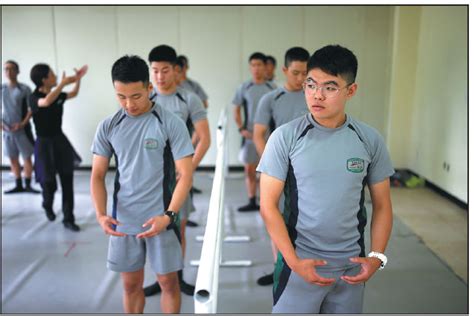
[53, 151]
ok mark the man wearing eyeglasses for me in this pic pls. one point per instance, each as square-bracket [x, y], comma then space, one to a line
[323, 161]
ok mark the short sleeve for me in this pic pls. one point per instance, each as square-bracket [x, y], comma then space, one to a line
[263, 114]
[178, 135]
[201, 93]
[101, 145]
[381, 166]
[238, 99]
[33, 102]
[198, 112]
[62, 96]
[275, 157]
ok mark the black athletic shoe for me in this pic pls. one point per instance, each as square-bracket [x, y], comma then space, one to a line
[31, 190]
[152, 289]
[49, 213]
[190, 223]
[265, 280]
[72, 226]
[186, 288]
[249, 208]
[196, 190]
[15, 190]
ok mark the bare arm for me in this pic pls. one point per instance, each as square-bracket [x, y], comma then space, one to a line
[21, 124]
[238, 120]
[270, 191]
[54, 93]
[100, 166]
[238, 116]
[75, 90]
[259, 131]
[184, 167]
[380, 230]
[79, 74]
[205, 103]
[160, 222]
[201, 130]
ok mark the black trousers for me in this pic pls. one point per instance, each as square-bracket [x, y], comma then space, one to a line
[55, 155]
[67, 186]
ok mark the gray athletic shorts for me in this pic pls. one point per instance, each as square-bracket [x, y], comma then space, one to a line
[187, 207]
[292, 294]
[127, 254]
[16, 143]
[248, 152]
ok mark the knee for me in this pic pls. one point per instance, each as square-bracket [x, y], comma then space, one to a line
[132, 287]
[169, 282]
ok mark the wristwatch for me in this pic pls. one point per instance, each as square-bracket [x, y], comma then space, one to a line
[173, 217]
[379, 256]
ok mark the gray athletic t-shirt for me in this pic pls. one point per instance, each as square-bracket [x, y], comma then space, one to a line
[195, 87]
[279, 107]
[325, 171]
[14, 103]
[145, 148]
[183, 103]
[247, 96]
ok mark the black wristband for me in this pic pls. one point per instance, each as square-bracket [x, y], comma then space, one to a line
[241, 128]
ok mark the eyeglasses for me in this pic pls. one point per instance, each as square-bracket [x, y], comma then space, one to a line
[328, 91]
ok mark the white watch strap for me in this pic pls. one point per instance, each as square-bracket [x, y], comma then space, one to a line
[379, 256]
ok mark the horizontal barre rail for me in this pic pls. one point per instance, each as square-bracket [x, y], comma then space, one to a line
[205, 295]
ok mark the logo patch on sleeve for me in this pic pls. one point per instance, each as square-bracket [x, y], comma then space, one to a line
[355, 165]
[150, 143]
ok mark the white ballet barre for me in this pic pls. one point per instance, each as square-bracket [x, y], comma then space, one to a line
[205, 294]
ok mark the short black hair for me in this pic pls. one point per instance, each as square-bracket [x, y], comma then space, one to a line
[130, 68]
[296, 54]
[163, 53]
[179, 63]
[38, 73]
[335, 60]
[183, 60]
[14, 63]
[258, 56]
[271, 59]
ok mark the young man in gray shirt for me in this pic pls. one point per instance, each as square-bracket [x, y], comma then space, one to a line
[186, 83]
[246, 98]
[281, 106]
[17, 136]
[187, 106]
[189, 84]
[323, 161]
[148, 143]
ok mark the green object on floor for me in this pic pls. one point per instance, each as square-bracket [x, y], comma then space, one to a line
[415, 182]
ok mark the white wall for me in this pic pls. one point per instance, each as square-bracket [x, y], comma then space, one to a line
[217, 40]
[439, 122]
[428, 109]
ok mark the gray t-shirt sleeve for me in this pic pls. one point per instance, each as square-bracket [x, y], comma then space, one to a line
[381, 165]
[178, 136]
[101, 145]
[275, 158]
[263, 114]
[238, 99]
[28, 93]
[198, 111]
[200, 92]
